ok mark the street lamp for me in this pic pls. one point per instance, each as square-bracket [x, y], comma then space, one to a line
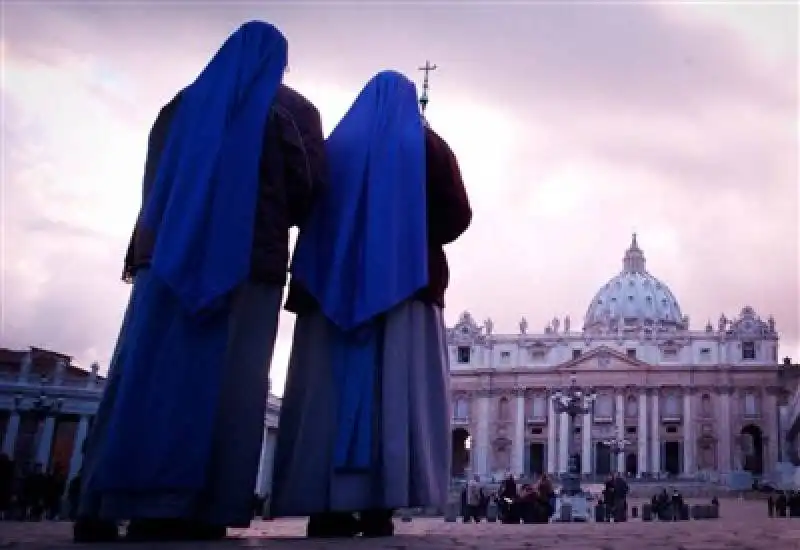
[574, 401]
[617, 446]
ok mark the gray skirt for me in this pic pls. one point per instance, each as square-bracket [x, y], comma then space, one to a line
[412, 421]
[236, 446]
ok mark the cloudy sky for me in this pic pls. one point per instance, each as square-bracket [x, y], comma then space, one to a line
[575, 124]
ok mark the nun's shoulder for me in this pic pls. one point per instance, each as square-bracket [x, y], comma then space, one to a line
[436, 144]
[290, 99]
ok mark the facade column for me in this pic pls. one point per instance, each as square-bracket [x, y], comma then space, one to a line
[725, 430]
[563, 444]
[518, 444]
[688, 433]
[76, 460]
[655, 432]
[773, 431]
[10, 438]
[641, 436]
[46, 441]
[551, 435]
[586, 443]
[480, 444]
[620, 412]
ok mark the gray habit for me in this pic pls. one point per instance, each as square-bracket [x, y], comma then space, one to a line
[227, 498]
[412, 423]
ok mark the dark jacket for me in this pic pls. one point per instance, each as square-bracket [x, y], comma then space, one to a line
[449, 215]
[292, 169]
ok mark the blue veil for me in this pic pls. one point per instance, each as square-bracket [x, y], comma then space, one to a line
[201, 210]
[364, 249]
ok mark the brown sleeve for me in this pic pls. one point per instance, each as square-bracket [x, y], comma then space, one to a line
[303, 148]
[449, 213]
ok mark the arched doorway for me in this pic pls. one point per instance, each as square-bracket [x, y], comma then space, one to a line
[752, 448]
[459, 462]
[602, 459]
[631, 464]
[536, 461]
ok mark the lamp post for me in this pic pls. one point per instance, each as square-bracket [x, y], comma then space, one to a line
[574, 401]
[617, 446]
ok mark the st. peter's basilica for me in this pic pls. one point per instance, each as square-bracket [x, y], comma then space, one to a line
[671, 399]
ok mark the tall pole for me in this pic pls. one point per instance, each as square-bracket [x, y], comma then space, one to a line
[575, 402]
[423, 100]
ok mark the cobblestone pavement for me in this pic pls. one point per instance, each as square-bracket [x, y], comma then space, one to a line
[744, 525]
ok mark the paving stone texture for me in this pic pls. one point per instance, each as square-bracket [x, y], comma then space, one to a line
[743, 525]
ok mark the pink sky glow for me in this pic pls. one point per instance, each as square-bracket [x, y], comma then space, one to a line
[575, 124]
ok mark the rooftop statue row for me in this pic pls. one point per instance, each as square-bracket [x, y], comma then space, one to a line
[43, 367]
[746, 323]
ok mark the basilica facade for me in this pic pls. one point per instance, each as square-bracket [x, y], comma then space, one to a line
[670, 399]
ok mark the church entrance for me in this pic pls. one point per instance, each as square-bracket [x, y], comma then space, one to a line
[672, 457]
[631, 464]
[536, 459]
[602, 464]
[459, 462]
[753, 449]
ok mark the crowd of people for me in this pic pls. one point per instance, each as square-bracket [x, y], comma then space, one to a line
[29, 493]
[668, 507]
[526, 503]
[613, 504]
[784, 504]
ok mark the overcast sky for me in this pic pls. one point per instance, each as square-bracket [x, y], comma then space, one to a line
[575, 125]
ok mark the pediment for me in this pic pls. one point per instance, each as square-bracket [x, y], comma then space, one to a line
[466, 331]
[603, 358]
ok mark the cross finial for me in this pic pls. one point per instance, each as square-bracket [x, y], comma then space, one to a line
[423, 100]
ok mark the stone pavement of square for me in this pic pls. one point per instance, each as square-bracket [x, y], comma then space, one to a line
[744, 526]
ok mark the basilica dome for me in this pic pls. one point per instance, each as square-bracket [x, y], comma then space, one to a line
[633, 299]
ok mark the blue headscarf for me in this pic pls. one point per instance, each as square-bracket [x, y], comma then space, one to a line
[202, 206]
[364, 248]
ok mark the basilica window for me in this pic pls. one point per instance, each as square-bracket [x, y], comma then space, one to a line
[705, 405]
[502, 408]
[537, 355]
[748, 351]
[461, 409]
[750, 405]
[603, 407]
[505, 356]
[631, 352]
[464, 353]
[672, 407]
[631, 406]
[539, 406]
[576, 354]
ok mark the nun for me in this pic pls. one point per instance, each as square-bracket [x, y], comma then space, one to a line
[364, 425]
[233, 162]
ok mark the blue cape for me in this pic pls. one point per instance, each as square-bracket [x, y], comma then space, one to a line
[202, 209]
[364, 248]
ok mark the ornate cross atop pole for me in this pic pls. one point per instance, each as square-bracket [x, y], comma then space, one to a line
[423, 100]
